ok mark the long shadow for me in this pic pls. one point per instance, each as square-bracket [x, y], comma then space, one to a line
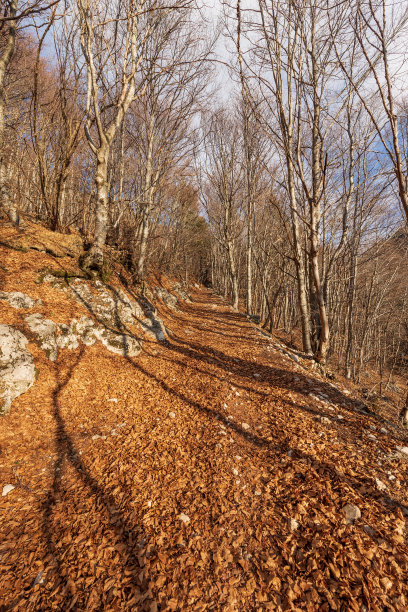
[67, 455]
[262, 444]
[278, 379]
[244, 369]
[292, 381]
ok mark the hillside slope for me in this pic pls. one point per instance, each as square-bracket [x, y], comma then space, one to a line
[210, 470]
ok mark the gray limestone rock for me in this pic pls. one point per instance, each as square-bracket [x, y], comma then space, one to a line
[17, 371]
[68, 337]
[168, 298]
[46, 332]
[120, 344]
[112, 307]
[16, 299]
[351, 512]
[181, 292]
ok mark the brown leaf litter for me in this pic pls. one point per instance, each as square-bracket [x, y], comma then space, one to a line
[110, 456]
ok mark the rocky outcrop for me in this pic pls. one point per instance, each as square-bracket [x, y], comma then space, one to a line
[112, 312]
[111, 306]
[166, 297]
[45, 332]
[16, 299]
[87, 332]
[181, 291]
[151, 323]
[17, 371]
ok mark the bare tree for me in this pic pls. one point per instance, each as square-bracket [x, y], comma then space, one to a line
[112, 36]
[175, 70]
[224, 184]
[13, 14]
[380, 29]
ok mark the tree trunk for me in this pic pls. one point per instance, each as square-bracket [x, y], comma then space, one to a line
[404, 413]
[234, 275]
[324, 335]
[144, 235]
[350, 315]
[92, 262]
[9, 206]
[249, 261]
[299, 261]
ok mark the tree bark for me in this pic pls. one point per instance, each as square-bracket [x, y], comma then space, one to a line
[9, 206]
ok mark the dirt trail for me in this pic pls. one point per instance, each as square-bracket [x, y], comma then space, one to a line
[198, 476]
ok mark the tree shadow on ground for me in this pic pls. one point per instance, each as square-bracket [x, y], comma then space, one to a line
[274, 450]
[103, 503]
[182, 352]
[299, 382]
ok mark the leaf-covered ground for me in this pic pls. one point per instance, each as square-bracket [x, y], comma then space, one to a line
[198, 476]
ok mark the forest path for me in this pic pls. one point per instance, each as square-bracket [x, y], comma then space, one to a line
[210, 472]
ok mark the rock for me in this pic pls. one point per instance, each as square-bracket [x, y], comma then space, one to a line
[184, 518]
[40, 579]
[351, 512]
[380, 486]
[68, 337]
[16, 299]
[257, 375]
[88, 332]
[403, 449]
[111, 306]
[369, 530]
[98, 437]
[245, 426]
[181, 291]
[293, 524]
[46, 332]
[7, 489]
[235, 471]
[372, 437]
[113, 399]
[172, 415]
[383, 430]
[324, 420]
[17, 371]
[119, 343]
[258, 492]
[168, 298]
[153, 324]
[391, 477]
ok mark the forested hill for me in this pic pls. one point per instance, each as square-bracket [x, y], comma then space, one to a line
[160, 451]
